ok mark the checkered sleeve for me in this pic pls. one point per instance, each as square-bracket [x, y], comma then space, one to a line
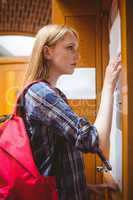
[43, 104]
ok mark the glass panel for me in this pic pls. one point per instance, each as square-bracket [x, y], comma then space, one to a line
[115, 38]
[16, 45]
[80, 85]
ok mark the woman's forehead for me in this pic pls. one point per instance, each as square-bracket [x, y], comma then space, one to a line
[69, 38]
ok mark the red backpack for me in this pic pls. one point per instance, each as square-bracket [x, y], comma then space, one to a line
[19, 176]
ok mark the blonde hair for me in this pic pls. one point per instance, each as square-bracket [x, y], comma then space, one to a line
[48, 35]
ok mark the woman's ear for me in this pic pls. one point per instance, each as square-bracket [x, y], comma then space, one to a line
[47, 52]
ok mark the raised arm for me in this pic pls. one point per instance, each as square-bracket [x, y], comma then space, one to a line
[104, 117]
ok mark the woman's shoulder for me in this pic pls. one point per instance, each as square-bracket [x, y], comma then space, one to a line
[42, 92]
[40, 88]
[45, 90]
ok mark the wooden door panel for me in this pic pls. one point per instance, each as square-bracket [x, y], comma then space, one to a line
[11, 78]
[86, 27]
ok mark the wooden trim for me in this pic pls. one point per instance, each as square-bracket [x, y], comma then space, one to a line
[2, 33]
[105, 42]
[14, 60]
[99, 77]
[125, 101]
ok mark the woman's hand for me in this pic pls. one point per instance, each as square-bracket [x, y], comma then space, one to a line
[112, 73]
[103, 120]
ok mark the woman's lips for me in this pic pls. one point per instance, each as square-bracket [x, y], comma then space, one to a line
[74, 64]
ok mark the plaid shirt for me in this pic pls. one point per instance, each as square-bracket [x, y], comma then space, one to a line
[58, 137]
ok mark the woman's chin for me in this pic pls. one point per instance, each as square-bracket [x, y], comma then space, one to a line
[71, 71]
[68, 72]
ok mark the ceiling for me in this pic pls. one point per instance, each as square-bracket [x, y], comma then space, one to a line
[24, 16]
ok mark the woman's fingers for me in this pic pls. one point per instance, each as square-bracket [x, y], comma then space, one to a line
[112, 72]
[113, 65]
[118, 70]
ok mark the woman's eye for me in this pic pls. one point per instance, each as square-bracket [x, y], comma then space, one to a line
[70, 47]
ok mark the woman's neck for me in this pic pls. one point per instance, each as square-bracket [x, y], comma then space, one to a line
[53, 76]
[52, 80]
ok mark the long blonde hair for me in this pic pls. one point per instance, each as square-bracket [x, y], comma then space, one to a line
[48, 35]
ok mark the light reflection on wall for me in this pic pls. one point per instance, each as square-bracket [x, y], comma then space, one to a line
[80, 85]
[14, 45]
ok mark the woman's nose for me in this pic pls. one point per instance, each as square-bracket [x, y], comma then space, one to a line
[77, 56]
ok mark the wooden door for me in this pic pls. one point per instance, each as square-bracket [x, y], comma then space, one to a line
[11, 79]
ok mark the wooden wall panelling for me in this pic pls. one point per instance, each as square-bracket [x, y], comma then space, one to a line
[71, 8]
[9, 90]
[99, 77]
[11, 78]
[1, 92]
[127, 97]
[85, 26]
[124, 100]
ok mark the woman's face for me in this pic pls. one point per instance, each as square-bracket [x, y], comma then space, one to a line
[64, 56]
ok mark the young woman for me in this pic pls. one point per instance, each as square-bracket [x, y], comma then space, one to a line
[57, 134]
